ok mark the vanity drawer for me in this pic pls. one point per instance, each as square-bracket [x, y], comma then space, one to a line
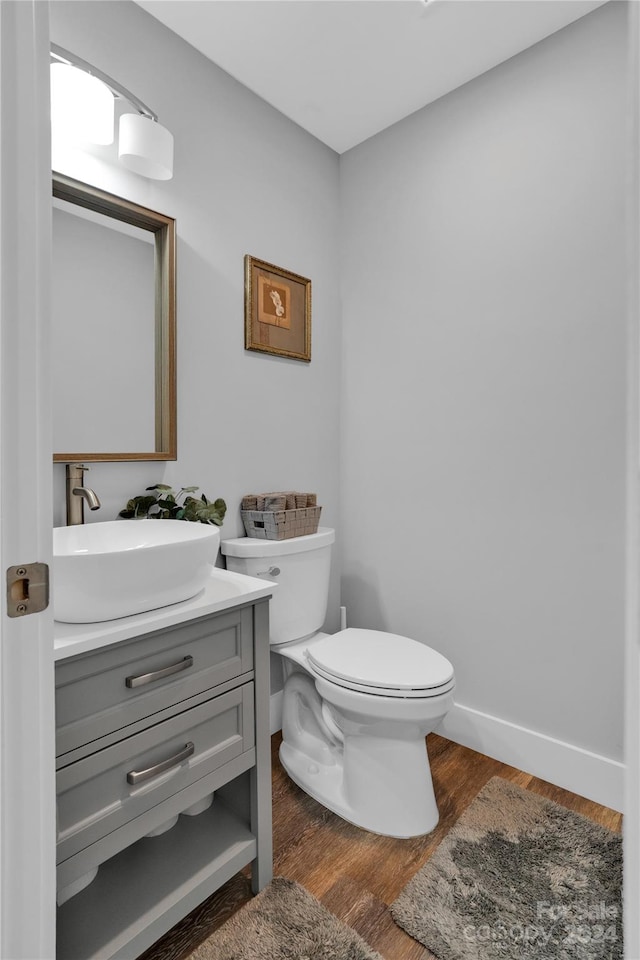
[104, 691]
[112, 787]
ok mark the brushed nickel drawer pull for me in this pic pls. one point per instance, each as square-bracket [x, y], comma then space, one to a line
[139, 776]
[145, 678]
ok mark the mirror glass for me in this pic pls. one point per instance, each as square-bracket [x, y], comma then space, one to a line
[113, 316]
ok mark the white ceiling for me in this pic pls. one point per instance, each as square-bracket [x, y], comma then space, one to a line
[346, 69]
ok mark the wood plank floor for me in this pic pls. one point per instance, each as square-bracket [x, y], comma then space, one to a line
[356, 874]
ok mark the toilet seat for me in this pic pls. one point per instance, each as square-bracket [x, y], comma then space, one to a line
[382, 664]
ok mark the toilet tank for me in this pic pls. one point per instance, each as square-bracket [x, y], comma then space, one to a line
[299, 606]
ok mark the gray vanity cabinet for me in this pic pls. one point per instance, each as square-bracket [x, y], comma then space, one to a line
[146, 729]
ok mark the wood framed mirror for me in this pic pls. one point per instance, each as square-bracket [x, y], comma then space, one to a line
[114, 327]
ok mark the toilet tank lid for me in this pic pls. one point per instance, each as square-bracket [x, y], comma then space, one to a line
[252, 547]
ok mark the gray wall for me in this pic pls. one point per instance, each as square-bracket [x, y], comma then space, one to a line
[247, 180]
[483, 436]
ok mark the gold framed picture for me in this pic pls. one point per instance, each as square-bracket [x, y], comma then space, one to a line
[277, 306]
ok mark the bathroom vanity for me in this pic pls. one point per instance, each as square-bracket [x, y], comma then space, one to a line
[154, 714]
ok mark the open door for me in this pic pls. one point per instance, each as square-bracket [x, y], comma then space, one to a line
[27, 771]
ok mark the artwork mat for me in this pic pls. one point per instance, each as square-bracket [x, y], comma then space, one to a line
[268, 313]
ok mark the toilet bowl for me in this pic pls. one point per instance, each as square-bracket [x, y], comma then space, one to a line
[357, 744]
[357, 704]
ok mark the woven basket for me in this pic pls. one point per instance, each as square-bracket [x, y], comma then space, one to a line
[281, 525]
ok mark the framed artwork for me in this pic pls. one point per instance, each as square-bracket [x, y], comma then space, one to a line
[277, 305]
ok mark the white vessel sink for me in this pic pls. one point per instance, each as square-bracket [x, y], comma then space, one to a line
[102, 571]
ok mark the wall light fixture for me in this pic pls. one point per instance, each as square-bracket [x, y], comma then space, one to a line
[82, 110]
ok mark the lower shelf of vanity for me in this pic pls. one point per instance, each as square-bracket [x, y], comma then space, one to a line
[147, 888]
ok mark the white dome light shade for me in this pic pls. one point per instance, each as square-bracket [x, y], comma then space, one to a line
[145, 147]
[81, 106]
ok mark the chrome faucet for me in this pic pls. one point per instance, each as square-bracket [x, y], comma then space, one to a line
[77, 494]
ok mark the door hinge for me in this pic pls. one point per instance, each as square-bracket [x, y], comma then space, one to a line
[27, 589]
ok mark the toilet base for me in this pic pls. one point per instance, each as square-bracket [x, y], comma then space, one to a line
[409, 810]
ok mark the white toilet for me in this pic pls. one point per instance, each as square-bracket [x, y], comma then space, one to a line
[357, 704]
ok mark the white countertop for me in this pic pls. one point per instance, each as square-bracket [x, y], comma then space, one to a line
[224, 591]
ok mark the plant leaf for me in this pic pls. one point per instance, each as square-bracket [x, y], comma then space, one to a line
[162, 503]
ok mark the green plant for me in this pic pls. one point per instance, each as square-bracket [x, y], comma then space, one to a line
[162, 503]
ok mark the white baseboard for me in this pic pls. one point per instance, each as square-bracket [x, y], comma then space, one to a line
[563, 764]
[275, 711]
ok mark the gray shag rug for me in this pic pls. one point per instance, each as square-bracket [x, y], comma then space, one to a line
[518, 877]
[284, 922]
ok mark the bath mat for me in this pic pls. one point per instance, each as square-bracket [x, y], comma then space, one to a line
[284, 922]
[518, 877]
